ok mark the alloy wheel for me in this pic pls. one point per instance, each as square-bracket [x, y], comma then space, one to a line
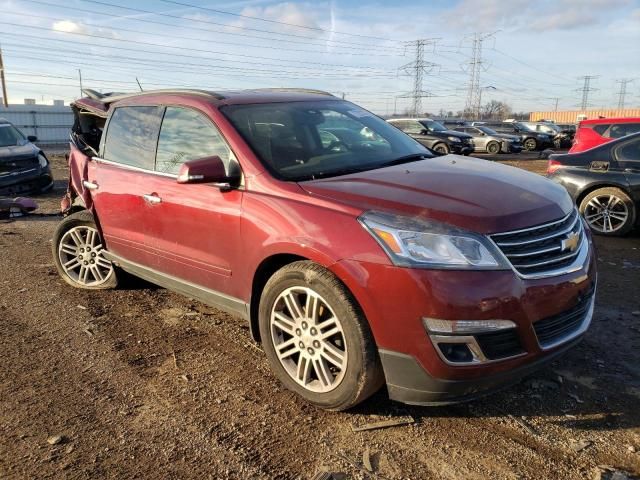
[606, 213]
[82, 257]
[530, 144]
[308, 339]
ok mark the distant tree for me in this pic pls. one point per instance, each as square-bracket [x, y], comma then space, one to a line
[496, 110]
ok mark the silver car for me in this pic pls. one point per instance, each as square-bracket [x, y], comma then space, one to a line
[490, 141]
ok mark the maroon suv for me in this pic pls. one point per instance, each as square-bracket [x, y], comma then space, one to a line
[357, 257]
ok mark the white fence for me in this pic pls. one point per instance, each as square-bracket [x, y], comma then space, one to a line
[50, 123]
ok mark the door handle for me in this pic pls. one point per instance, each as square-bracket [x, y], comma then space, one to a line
[153, 199]
[90, 185]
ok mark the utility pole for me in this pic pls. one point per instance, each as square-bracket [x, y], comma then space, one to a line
[586, 89]
[417, 69]
[5, 99]
[80, 76]
[474, 95]
[623, 91]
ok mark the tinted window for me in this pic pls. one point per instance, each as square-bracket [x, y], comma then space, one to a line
[600, 129]
[623, 129]
[629, 155]
[132, 135]
[305, 140]
[10, 136]
[187, 135]
[412, 127]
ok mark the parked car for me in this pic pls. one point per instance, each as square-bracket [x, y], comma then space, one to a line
[24, 168]
[558, 137]
[490, 141]
[604, 182]
[357, 261]
[435, 136]
[591, 133]
[531, 140]
[568, 129]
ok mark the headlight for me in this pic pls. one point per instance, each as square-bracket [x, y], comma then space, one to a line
[42, 160]
[413, 242]
[454, 139]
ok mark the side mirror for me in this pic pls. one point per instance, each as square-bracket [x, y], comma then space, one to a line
[206, 170]
[32, 138]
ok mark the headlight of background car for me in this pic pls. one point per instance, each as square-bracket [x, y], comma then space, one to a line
[454, 139]
[42, 160]
[412, 242]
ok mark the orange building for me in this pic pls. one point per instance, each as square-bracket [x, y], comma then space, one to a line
[574, 116]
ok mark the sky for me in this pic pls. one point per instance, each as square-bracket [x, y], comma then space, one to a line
[533, 52]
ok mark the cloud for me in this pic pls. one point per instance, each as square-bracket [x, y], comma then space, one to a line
[292, 13]
[69, 26]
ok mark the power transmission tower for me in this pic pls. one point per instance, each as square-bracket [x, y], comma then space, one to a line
[475, 67]
[417, 69]
[623, 91]
[586, 89]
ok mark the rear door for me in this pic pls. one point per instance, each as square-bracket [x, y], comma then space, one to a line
[194, 229]
[118, 179]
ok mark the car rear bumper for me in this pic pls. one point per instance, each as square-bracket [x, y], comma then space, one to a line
[24, 183]
[461, 149]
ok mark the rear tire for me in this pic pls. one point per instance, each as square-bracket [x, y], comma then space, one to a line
[609, 211]
[493, 148]
[530, 144]
[78, 254]
[317, 339]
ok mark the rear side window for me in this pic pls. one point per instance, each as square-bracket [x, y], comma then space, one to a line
[600, 129]
[628, 155]
[622, 129]
[131, 136]
[188, 135]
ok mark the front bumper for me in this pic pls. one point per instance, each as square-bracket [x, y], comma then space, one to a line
[35, 180]
[461, 148]
[511, 147]
[395, 300]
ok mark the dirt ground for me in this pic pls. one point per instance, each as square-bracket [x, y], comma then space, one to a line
[143, 383]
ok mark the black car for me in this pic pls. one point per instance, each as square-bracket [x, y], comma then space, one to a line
[24, 168]
[604, 182]
[531, 139]
[435, 136]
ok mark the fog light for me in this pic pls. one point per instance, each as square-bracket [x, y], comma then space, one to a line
[456, 352]
[465, 327]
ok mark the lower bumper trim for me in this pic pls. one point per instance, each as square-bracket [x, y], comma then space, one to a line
[408, 382]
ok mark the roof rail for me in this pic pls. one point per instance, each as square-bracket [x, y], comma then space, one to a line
[116, 97]
[299, 90]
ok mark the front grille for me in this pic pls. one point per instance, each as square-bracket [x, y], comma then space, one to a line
[544, 248]
[553, 329]
[501, 344]
[13, 166]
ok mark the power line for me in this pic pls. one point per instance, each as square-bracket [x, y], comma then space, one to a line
[622, 93]
[306, 27]
[417, 69]
[586, 89]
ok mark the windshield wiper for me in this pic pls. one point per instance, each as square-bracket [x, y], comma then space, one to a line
[405, 159]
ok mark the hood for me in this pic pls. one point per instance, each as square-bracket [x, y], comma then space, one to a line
[473, 194]
[18, 152]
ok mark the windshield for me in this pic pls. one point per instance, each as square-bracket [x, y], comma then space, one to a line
[433, 126]
[307, 140]
[10, 136]
[524, 126]
[487, 130]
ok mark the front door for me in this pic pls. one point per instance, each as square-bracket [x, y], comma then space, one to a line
[194, 229]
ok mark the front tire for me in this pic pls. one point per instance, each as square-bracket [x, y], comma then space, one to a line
[441, 148]
[530, 144]
[316, 338]
[78, 254]
[493, 148]
[609, 211]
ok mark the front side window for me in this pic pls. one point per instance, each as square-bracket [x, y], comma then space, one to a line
[305, 140]
[187, 135]
[628, 155]
[10, 136]
[131, 136]
[432, 126]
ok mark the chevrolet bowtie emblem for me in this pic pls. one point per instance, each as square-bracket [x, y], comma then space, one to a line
[571, 242]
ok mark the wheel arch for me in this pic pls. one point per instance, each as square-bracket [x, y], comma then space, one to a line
[597, 186]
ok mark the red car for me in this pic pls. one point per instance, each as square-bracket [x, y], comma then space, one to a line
[591, 133]
[357, 257]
